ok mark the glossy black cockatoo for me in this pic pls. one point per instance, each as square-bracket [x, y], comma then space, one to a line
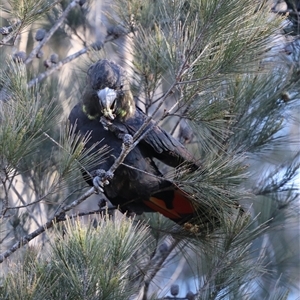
[137, 185]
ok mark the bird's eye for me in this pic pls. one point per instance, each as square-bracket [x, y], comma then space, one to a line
[121, 86]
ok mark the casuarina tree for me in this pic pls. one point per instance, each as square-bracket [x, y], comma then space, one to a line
[182, 116]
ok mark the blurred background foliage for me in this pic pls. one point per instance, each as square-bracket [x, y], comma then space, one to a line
[222, 77]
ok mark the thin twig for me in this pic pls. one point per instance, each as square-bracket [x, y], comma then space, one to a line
[58, 217]
[285, 12]
[92, 212]
[187, 297]
[141, 132]
[5, 199]
[30, 213]
[155, 266]
[181, 117]
[139, 135]
[163, 98]
[10, 35]
[48, 35]
[39, 199]
[6, 189]
[68, 59]
[57, 66]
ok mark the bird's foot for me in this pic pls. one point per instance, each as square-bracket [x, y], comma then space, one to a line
[101, 180]
[109, 176]
[127, 140]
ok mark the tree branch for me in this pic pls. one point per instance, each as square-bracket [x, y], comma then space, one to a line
[141, 132]
[156, 267]
[97, 45]
[57, 66]
[9, 33]
[58, 217]
[48, 35]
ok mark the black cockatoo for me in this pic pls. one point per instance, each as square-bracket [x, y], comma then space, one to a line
[137, 185]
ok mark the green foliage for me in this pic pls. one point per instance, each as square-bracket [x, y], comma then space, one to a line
[40, 163]
[205, 62]
[198, 36]
[28, 124]
[92, 262]
[229, 267]
[27, 11]
[24, 117]
[29, 279]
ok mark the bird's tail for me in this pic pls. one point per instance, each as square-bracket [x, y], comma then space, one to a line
[174, 204]
[181, 208]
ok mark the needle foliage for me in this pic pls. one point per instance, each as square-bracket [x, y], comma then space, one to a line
[211, 72]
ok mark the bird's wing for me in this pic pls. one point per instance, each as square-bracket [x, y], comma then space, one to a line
[164, 146]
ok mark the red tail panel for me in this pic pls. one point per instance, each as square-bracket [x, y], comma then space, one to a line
[182, 203]
[181, 206]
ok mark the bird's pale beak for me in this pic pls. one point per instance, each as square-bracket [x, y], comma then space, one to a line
[107, 99]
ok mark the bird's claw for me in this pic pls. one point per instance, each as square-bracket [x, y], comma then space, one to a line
[101, 180]
[103, 176]
[127, 140]
[98, 185]
[109, 176]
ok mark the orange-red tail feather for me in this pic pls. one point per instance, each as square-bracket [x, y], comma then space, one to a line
[181, 208]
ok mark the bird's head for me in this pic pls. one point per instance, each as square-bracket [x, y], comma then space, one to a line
[108, 92]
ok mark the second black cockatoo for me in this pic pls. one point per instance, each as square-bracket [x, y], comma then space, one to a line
[137, 185]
